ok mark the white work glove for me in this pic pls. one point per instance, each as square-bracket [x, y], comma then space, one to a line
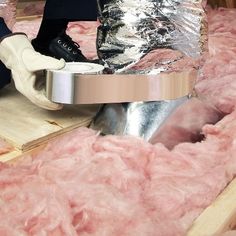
[17, 53]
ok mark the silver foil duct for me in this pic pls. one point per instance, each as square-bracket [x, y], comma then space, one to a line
[8, 11]
[169, 122]
[158, 32]
[151, 37]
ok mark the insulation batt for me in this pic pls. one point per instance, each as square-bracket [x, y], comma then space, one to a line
[8, 11]
[217, 81]
[85, 184]
[82, 33]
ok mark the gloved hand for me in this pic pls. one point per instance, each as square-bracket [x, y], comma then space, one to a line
[17, 53]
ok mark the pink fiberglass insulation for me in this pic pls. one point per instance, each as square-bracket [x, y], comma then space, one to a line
[29, 27]
[218, 79]
[85, 33]
[85, 184]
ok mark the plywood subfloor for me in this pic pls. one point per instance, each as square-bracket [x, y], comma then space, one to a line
[25, 126]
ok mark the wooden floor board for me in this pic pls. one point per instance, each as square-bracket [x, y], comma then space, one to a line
[25, 126]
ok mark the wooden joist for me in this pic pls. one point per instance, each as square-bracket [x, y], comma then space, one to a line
[219, 217]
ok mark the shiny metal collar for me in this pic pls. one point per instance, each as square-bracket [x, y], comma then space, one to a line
[71, 87]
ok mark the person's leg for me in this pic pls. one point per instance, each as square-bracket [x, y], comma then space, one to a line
[49, 30]
[3, 28]
[75, 10]
[52, 39]
[5, 74]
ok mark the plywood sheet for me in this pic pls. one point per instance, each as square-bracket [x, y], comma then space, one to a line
[26, 126]
[13, 155]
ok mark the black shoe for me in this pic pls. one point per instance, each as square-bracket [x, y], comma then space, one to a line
[64, 47]
[40, 47]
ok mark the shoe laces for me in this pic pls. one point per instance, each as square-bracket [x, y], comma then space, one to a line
[71, 45]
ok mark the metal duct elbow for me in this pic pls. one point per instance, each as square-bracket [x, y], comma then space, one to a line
[151, 37]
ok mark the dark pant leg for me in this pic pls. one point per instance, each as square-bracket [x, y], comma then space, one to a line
[5, 74]
[72, 10]
[57, 14]
[50, 29]
[3, 28]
